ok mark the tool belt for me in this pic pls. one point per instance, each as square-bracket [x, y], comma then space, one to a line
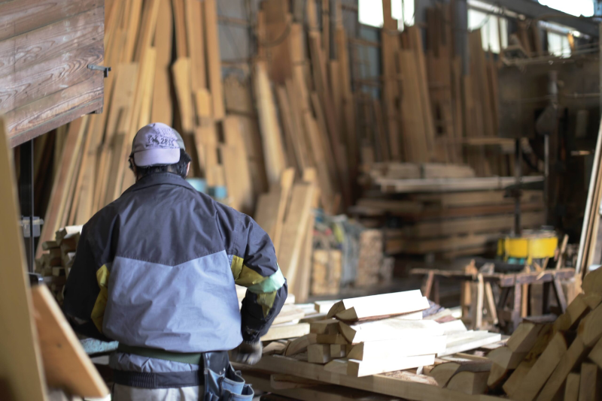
[219, 379]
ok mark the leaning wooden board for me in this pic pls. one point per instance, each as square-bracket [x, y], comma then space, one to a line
[45, 48]
[66, 364]
[18, 339]
[380, 384]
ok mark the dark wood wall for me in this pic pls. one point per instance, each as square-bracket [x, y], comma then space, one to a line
[45, 49]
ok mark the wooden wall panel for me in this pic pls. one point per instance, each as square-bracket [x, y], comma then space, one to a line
[45, 49]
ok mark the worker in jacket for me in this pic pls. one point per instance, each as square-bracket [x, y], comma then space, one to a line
[156, 270]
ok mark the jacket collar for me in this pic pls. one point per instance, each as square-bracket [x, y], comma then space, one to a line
[159, 179]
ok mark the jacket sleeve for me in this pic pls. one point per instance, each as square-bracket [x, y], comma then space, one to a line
[85, 294]
[254, 265]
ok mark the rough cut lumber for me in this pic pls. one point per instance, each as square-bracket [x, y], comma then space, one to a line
[297, 346]
[376, 350]
[505, 358]
[289, 313]
[574, 312]
[389, 329]
[443, 372]
[286, 330]
[66, 364]
[397, 303]
[318, 353]
[589, 388]
[324, 306]
[280, 382]
[590, 328]
[18, 338]
[469, 382]
[524, 337]
[596, 354]
[339, 350]
[497, 376]
[366, 368]
[328, 326]
[571, 358]
[542, 369]
[571, 389]
[592, 282]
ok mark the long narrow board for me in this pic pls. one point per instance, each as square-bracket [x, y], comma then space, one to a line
[66, 364]
[18, 340]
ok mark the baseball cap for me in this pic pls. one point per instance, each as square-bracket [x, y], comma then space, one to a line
[157, 144]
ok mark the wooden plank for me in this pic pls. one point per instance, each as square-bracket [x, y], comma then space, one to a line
[462, 342]
[571, 389]
[506, 358]
[378, 350]
[542, 369]
[389, 329]
[294, 228]
[412, 387]
[590, 328]
[58, 196]
[181, 73]
[179, 12]
[214, 70]
[309, 392]
[318, 353]
[571, 358]
[236, 166]
[275, 200]
[589, 387]
[297, 346]
[195, 42]
[596, 354]
[443, 372]
[373, 306]
[367, 368]
[23, 380]
[66, 364]
[162, 103]
[273, 150]
[286, 331]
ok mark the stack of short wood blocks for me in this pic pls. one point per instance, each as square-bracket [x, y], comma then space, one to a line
[55, 262]
[555, 361]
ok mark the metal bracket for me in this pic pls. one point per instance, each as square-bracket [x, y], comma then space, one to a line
[36, 222]
[105, 70]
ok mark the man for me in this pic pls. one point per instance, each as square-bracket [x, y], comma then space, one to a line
[155, 270]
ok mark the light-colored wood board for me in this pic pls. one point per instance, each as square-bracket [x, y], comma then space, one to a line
[353, 309]
[470, 340]
[285, 331]
[376, 350]
[66, 364]
[18, 339]
[389, 329]
[214, 69]
[367, 368]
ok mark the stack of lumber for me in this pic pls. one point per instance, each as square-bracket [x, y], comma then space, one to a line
[359, 340]
[449, 224]
[293, 107]
[559, 360]
[56, 260]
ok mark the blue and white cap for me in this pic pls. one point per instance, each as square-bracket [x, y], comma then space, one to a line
[157, 144]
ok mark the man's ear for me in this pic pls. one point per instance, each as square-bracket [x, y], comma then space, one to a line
[187, 169]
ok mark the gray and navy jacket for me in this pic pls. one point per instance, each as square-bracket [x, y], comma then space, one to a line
[157, 267]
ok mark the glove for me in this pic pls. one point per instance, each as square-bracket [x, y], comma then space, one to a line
[248, 352]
